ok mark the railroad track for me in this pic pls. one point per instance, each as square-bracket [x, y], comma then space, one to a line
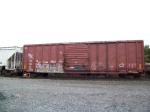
[79, 77]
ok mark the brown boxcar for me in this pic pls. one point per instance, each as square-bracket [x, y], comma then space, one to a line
[102, 57]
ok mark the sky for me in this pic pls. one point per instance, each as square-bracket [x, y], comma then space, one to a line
[51, 21]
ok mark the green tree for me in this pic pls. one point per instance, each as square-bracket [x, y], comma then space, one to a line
[147, 53]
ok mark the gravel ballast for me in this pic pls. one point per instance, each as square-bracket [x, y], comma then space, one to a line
[61, 95]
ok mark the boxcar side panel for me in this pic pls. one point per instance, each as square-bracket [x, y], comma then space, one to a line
[112, 57]
[140, 57]
[45, 54]
[102, 57]
[30, 55]
[43, 66]
[38, 58]
[60, 58]
[132, 65]
[53, 54]
[56, 58]
[122, 57]
[93, 57]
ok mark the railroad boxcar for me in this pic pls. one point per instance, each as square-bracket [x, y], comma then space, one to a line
[125, 58]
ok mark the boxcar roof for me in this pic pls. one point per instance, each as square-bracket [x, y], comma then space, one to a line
[115, 41]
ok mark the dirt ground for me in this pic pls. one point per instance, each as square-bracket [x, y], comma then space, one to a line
[61, 95]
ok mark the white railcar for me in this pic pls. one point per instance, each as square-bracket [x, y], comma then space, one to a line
[10, 60]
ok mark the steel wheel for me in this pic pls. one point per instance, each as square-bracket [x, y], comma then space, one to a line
[6, 73]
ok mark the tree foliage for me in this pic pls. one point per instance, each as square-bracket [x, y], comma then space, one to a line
[147, 53]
